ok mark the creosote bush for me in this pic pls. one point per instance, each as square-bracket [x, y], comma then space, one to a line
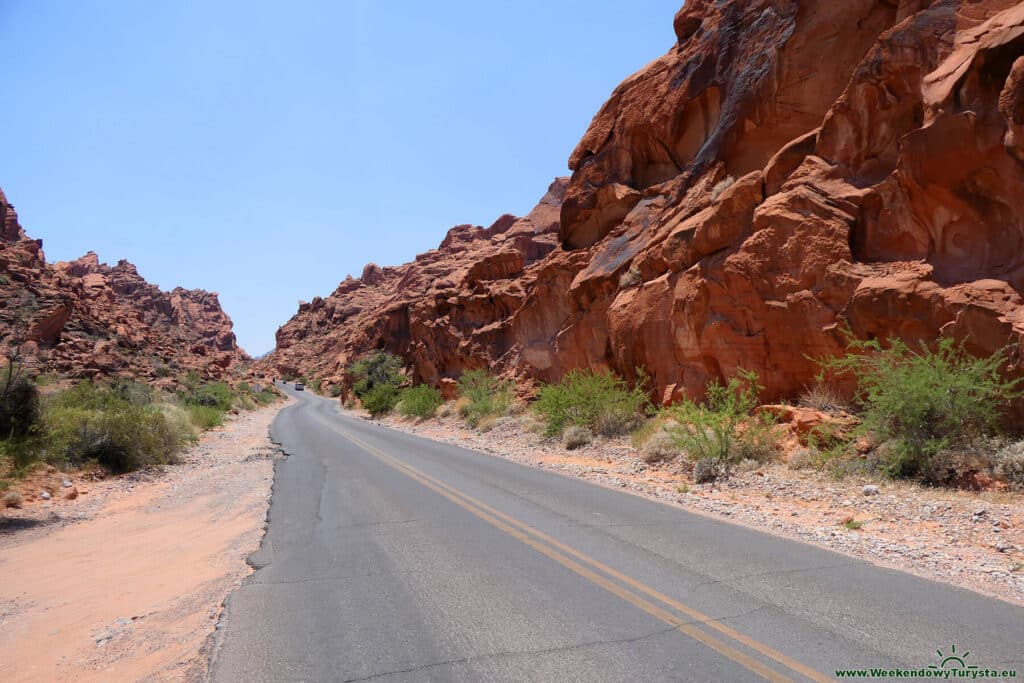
[601, 402]
[925, 401]
[381, 399]
[420, 401]
[482, 397]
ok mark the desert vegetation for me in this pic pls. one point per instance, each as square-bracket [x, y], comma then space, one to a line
[723, 430]
[378, 378]
[482, 397]
[598, 401]
[420, 401]
[118, 425]
[935, 414]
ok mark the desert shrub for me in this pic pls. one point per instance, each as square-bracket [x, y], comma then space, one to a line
[660, 446]
[205, 417]
[756, 440]
[709, 430]
[959, 464]
[630, 278]
[803, 459]
[268, 395]
[482, 396]
[213, 395]
[925, 400]
[91, 422]
[380, 399]
[823, 397]
[721, 186]
[602, 402]
[420, 401]
[334, 391]
[707, 470]
[19, 402]
[575, 437]
[375, 370]
[315, 384]
[19, 408]
[1009, 465]
[12, 499]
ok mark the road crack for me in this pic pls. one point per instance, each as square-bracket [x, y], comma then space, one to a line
[514, 653]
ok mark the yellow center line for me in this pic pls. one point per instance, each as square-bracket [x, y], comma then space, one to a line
[550, 547]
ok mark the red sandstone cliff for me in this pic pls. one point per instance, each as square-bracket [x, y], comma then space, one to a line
[87, 319]
[788, 169]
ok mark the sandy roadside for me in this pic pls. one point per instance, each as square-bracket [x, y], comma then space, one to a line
[970, 540]
[131, 590]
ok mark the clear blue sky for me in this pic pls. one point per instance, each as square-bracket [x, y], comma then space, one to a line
[266, 150]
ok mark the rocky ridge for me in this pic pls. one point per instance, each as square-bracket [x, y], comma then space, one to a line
[791, 169]
[84, 319]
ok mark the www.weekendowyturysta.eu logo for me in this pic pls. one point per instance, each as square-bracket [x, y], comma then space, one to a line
[953, 661]
[952, 664]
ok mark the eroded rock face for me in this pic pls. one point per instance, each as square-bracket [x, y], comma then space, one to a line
[789, 169]
[450, 309]
[86, 319]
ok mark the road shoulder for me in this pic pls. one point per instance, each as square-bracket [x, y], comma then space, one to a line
[130, 587]
[969, 540]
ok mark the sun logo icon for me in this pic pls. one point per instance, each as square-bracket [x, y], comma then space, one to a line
[953, 660]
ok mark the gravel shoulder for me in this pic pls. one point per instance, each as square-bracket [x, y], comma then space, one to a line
[125, 580]
[970, 540]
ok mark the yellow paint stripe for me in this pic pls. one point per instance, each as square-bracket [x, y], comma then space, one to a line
[495, 517]
[755, 645]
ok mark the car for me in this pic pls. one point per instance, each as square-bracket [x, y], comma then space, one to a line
[299, 386]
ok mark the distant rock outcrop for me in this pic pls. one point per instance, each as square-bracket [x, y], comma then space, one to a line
[86, 319]
[790, 169]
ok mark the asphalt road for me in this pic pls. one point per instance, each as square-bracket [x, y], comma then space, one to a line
[394, 558]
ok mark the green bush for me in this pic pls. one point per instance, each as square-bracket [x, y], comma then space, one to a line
[268, 395]
[709, 431]
[483, 396]
[600, 402]
[19, 406]
[923, 400]
[90, 422]
[213, 395]
[380, 399]
[205, 417]
[378, 369]
[420, 401]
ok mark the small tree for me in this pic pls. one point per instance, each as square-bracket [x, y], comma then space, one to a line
[19, 396]
[377, 369]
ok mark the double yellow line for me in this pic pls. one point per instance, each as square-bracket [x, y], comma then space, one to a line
[599, 574]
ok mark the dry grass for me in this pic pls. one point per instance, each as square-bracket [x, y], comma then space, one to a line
[576, 437]
[825, 398]
[721, 186]
[631, 278]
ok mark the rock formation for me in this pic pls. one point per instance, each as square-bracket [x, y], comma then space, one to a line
[87, 319]
[789, 170]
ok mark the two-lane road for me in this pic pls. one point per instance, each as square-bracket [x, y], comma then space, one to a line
[394, 558]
